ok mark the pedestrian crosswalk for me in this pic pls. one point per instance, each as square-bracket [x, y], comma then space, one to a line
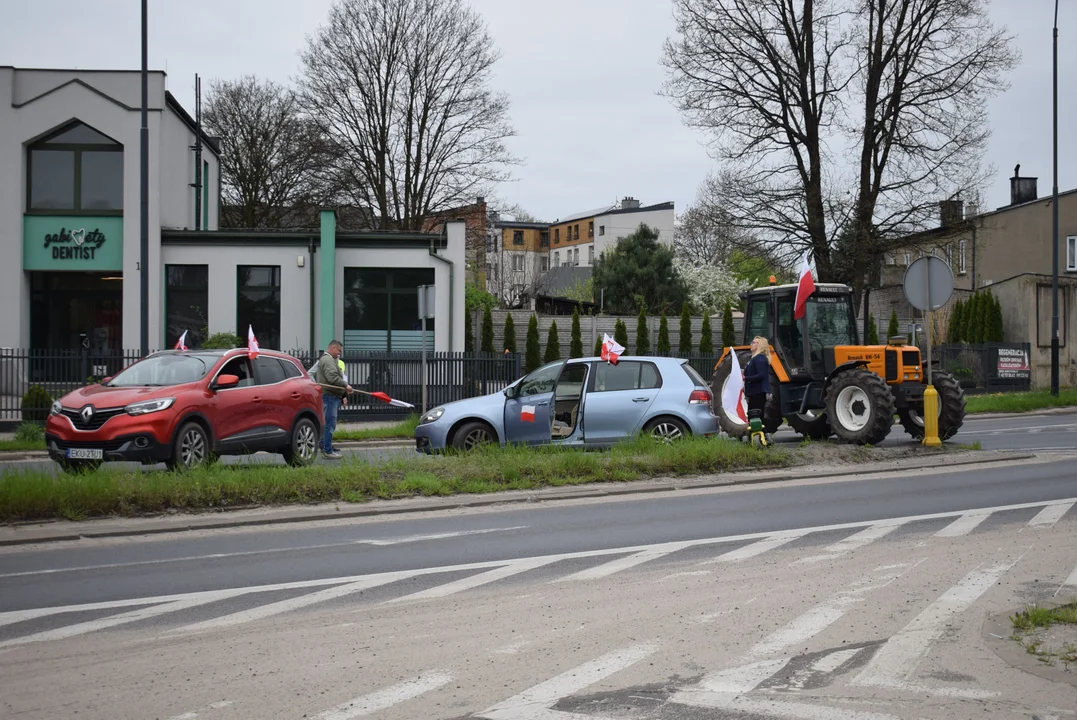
[780, 658]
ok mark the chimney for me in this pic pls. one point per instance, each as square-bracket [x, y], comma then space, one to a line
[1022, 189]
[629, 203]
[951, 212]
[480, 200]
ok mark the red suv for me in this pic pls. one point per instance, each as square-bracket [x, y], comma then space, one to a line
[185, 408]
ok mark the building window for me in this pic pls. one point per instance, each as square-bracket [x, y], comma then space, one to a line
[518, 263]
[556, 258]
[950, 256]
[544, 239]
[576, 232]
[961, 250]
[906, 259]
[258, 303]
[544, 263]
[556, 236]
[75, 170]
[576, 256]
[590, 254]
[186, 303]
[381, 309]
[517, 237]
[591, 229]
[1071, 253]
[205, 195]
[601, 229]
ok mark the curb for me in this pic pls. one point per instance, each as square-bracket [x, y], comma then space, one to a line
[459, 502]
[16, 455]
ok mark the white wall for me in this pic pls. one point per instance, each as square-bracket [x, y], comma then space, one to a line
[620, 224]
[222, 262]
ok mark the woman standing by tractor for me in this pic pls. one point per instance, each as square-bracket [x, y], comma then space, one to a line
[757, 388]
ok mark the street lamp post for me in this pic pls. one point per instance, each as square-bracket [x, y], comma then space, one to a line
[1054, 210]
[144, 190]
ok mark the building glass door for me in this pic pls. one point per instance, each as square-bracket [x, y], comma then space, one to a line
[76, 311]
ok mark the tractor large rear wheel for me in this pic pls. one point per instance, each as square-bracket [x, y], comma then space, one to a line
[813, 426]
[860, 407]
[951, 408]
[728, 419]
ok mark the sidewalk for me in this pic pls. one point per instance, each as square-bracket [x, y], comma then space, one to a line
[60, 530]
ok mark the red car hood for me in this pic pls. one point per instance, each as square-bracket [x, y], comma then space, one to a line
[107, 397]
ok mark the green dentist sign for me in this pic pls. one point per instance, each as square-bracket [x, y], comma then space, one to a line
[51, 242]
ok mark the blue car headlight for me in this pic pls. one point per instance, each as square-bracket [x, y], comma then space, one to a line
[432, 416]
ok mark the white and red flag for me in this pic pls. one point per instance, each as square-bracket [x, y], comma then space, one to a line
[805, 287]
[252, 343]
[527, 413]
[611, 350]
[386, 399]
[733, 390]
[182, 343]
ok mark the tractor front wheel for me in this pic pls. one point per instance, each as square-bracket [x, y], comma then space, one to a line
[860, 407]
[951, 409]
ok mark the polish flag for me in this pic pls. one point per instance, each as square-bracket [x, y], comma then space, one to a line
[611, 350]
[252, 343]
[805, 287]
[733, 390]
[527, 413]
[182, 344]
[386, 399]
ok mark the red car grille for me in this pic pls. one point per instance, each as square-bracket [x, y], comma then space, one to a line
[97, 420]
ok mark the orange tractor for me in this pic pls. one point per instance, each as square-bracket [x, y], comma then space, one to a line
[824, 382]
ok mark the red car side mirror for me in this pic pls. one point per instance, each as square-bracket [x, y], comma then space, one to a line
[227, 381]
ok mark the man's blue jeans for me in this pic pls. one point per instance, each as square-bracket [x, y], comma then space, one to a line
[331, 406]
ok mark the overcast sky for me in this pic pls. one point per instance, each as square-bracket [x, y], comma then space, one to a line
[583, 76]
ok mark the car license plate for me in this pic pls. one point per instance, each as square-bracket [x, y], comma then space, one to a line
[85, 454]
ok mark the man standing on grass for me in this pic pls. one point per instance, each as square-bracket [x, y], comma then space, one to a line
[334, 389]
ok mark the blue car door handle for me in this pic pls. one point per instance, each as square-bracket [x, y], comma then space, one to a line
[640, 399]
[545, 402]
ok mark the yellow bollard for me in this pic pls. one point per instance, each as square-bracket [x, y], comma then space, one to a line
[931, 417]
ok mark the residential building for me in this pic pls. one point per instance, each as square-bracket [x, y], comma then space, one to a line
[70, 226]
[517, 258]
[1008, 251]
[582, 238]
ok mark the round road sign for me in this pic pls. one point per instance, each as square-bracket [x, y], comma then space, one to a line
[929, 283]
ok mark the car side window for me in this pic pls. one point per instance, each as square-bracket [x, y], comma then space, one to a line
[291, 370]
[649, 377]
[269, 370]
[622, 376]
[541, 381]
[241, 368]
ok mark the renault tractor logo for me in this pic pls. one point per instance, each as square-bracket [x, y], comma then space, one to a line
[87, 413]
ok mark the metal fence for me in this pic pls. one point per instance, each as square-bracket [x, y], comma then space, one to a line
[987, 367]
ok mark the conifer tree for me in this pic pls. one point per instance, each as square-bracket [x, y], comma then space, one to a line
[663, 348]
[643, 336]
[532, 356]
[729, 335]
[553, 345]
[685, 344]
[575, 347]
[487, 331]
[510, 333]
[706, 345]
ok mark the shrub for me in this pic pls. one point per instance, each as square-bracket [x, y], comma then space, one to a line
[685, 345]
[221, 341]
[553, 345]
[706, 345]
[575, 347]
[663, 347]
[36, 404]
[729, 336]
[29, 432]
[643, 335]
[532, 356]
[894, 328]
[510, 333]
[487, 331]
[871, 334]
[620, 333]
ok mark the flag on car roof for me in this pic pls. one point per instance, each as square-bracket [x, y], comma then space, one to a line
[182, 343]
[733, 390]
[805, 287]
[611, 350]
[252, 343]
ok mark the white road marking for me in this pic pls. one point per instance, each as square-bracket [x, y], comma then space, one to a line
[438, 536]
[775, 540]
[1050, 515]
[770, 708]
[193, 714]
[964, 524]
[738, 679]
[896, 660]
[616, 566]
[513, 649]
[689, 573]
[711, 617]
[1065, 427]
[853, 542]
[283, 606]
[142, 613]
[15, 616]
[827, 613]
[474, 581]
[833, 661]
[270, 551]
[386, 698]
[1070, 582]
[535, 703]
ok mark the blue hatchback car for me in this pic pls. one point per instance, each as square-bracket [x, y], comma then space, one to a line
[579, 402]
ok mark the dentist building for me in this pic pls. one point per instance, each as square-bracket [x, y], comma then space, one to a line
[70, 230]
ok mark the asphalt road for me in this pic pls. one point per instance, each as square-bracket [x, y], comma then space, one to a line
[1035, 432]
[859, 599]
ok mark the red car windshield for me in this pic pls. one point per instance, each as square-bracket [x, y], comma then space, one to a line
[165, 370]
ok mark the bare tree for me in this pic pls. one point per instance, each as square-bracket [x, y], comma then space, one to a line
[402, 89]
[271, 155]
[838, 118]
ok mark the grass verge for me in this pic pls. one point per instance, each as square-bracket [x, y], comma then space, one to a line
[1029, 626]
[1020, 402]
[35, 495]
